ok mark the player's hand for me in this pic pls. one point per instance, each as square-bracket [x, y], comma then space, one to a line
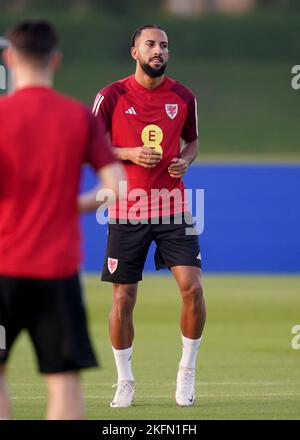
[145, 157]
[178, 167]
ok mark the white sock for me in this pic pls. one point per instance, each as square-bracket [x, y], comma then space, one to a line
[123, 363]
[189, 352]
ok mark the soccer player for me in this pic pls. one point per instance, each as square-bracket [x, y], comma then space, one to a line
[45, 138]
[145, 115]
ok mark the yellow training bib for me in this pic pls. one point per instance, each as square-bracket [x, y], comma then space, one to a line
[152, 136]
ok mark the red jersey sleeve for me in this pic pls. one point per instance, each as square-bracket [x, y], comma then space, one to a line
[190, 128]
[98, 152]
[105, 104]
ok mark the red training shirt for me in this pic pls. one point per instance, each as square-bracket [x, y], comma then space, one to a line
[44, 139]
[157, 118]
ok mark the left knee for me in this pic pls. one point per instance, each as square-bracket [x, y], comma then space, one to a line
[192, 293]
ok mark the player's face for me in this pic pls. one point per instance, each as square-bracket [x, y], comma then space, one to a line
[152, 52]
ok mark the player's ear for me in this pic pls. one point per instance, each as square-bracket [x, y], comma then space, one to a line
[133, 52]
[56, 59]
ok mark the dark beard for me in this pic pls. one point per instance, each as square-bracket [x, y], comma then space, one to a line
[153, 73]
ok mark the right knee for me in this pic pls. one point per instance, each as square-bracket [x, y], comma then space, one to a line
[124, 300]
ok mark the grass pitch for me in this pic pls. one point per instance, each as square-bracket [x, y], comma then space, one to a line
[247, 368]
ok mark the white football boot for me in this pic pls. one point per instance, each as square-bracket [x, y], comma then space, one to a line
[124, 394]
[185, 387]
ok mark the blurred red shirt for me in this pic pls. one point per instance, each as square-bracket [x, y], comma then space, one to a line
[45, 138]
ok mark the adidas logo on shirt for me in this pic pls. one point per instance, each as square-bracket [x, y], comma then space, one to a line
[131, 111]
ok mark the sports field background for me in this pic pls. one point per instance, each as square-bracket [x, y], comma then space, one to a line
[247, 368]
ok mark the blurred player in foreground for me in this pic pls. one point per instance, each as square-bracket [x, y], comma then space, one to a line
[45, 138]
[145, 116]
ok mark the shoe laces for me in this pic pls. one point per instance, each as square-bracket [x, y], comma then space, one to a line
[124, 391]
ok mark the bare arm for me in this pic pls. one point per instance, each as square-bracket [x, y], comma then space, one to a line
[110, 176]
[179, 166]
[189, 151]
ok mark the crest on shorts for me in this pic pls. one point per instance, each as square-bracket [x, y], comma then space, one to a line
[112, 264]
[171, 110]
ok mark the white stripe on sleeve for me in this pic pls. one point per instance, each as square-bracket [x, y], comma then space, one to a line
[96, 101]
[98, 105]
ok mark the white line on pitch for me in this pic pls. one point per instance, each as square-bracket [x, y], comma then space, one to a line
[262, 384]
[170, 397]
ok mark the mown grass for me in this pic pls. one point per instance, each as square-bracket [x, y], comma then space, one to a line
[247, 368]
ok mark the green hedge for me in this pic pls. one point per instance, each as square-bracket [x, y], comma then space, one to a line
[240, 69]
[258, 36]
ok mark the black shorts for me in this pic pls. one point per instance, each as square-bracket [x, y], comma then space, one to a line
[53, 313]
[128, 246]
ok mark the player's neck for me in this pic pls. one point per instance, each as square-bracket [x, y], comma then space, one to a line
[30, 78]
[146, 81]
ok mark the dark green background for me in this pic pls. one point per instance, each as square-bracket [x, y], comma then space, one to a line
[239, 67]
